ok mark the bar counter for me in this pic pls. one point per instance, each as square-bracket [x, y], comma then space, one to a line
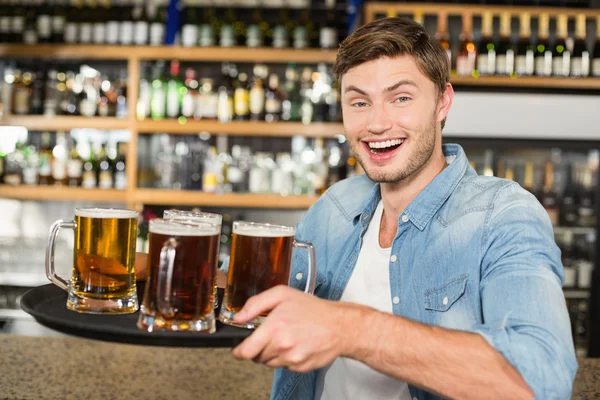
[73, 368]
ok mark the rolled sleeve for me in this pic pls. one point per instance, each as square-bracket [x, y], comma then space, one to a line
[525, 316]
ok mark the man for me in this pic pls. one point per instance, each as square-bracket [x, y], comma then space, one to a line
[433, 281]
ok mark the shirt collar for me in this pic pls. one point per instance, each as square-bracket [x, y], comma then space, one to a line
[428, 202]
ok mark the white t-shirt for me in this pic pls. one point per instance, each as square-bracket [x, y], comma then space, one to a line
[369, 285]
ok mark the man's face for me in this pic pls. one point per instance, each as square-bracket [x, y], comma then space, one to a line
[391, 116]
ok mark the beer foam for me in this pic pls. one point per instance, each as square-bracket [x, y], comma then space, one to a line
[180, 228]
[105, 213]
[263, 230]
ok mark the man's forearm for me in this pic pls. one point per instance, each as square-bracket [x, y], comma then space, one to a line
[450, 363]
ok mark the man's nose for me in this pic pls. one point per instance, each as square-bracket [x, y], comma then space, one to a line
[379, 121]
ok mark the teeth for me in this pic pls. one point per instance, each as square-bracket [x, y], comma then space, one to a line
[385, 144]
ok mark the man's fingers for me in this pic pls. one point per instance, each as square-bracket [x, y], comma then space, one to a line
[262, 303]
[253, 345]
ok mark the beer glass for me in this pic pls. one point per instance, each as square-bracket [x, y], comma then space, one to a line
[103, 275]
[196, 216]
[261, 256]
[182, 266]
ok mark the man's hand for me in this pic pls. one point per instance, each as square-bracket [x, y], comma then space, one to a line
[301, 333]
[141, 265]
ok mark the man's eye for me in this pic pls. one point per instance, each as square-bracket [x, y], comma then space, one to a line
[402, 99]
[359, 104]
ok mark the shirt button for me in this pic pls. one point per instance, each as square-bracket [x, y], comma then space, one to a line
[393, 258]
[445, 301]
[415, 398]
[404, 218]
[299, 275]
[396, 300]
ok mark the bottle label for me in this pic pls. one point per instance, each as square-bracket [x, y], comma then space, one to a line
[543, 64]
[465, 65]
[240, 101]
[224, 108]
[99, 32]
[328, 38]
[158, 103]
[188, 105]
[173, 108]
[207, 105]
[30, 36]
[58, 24]
[257, 101]
[112, 32]
[30, 175]
[44, 167]
[126, 33]
[85, 32]
[141, 33]
[120, 180]
[105, 180]
[22, 105]
[501, 64]
[71, 32]
[59, 170]
[580, 66]
[89, 180]
[525, 64]
[273, 106]
[207, 37]
[18, 24]
[189, 35]
[87, 108]
[157, 34]
[44, 26]
[5, 25]
[74, 168]
[561, 65]
[596, 67]
[12, 179]
[486, 64]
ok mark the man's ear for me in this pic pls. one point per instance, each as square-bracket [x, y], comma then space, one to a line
[444, 104]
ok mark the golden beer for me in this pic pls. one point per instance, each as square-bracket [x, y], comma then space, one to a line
[103, 274]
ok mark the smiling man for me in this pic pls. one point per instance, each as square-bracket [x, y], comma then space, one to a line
[432, 281]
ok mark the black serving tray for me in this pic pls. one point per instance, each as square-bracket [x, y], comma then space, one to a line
[47, 304]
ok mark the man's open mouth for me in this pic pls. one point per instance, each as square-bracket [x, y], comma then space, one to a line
[384, 146]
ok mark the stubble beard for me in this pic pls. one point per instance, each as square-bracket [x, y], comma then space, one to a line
[423, 150]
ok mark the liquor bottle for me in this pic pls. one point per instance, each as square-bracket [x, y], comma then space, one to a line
[595, 64]
[548, 196]
[21, 101]
[208, 100]
[580, 59]
[255, 33]
[273, 98]
[208, 27]
[321, 105]
[159, 92]
[566, 249]
[586, 212]
[189, 30]
[505, 50]
[100, 25]
[227, 32]
[525, 62]
[30, 32]
[59, 19]
[121, 111]
[18, 23]
[568, 208]
[528, 177]
[302, 31]
[126, 32]
[225, 93]
[74, 166]
[306, 108]
[120, 169]
[30, 165]
[174, 89]
[486, 53]
[157, 27]
[290, 107]
[14, 165]
[328, 35]
[45, 161]
[145, 95]
[113, 23]
[141, 25]
[5, 23]
[241, 98]
[72, 24]
[280, 39]
[189, 101]
[442, 33]
[257, 93]
[89, 177]
[44, 23]
[467, 54]
[60, 158]
[37, 92]
[86, 23]
[561, 57]
[543, 54]
[105, 167]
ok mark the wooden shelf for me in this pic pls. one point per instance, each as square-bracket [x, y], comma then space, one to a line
[372, 8]
[285, 129]
[188, 198]
[528, 81]
[40, 122]
[217, 54]
[61, 193]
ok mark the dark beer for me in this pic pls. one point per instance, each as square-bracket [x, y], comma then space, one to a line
[104, 256]
[187, 284]
[260, 259]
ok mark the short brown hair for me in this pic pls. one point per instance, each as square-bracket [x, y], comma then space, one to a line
[392, 37]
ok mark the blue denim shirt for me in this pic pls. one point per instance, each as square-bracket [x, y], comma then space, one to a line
[473, 253]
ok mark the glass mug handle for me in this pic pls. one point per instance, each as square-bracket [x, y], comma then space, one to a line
[164, 282]
[312, 265]
[50, 247]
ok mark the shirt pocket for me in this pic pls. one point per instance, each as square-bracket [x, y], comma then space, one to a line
[448, 306]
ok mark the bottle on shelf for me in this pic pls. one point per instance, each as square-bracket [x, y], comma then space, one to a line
[543, 53]
[30, 32]
[561, 56]
[189, 101]
[328, 36]
[189, 30]
[255, 33]
[86, 23]
[105, 167]
[225, 93]
[525, 60]
[570, 198]
[158, 101]
[273, 99]
[144, 95]
[241, 98]
[528, 177]
[19, 15]
[120, 167]
[257, 93]
[60, 157]
[89, 176]
[100, 25]
[486, 53]
[442, 33]
[46, 161]
[467, 54]
[21, 91]
[74, 166]
[157, 27]
[141, 26]
[586, 211]
[580, 59]
[30, 165]
[505, 50]
[290, 107]
[174, 90]
[548, 196]
[595, 64]
[208, 100]
[14, 166]
[59, 19]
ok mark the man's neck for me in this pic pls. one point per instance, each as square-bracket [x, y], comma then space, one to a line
[397, 196]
